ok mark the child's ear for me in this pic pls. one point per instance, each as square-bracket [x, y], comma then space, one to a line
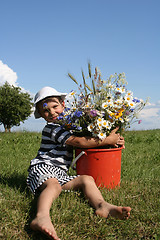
[63, 104]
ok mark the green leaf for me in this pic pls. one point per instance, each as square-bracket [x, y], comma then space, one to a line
[93, 85]
[72, 78]
[84, 82]
[88, 88]
[89, 69]
[14, 108]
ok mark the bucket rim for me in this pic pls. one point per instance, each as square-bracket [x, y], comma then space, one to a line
[99, 149]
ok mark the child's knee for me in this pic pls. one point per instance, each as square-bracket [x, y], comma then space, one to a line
[86, 179]
[51, 183]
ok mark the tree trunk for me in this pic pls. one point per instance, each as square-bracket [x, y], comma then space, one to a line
[7, 128]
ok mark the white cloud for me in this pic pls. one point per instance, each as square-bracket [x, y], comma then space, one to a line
[7, 75]
[150, 117]
[158, 102]
[150, 112]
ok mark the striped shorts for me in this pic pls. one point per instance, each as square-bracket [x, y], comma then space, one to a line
[39, 173]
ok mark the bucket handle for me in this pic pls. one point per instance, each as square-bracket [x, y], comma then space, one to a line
[76, 159]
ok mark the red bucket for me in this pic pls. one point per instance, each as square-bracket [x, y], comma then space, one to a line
[104, 165]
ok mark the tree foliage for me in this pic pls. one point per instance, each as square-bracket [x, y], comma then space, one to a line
[15, 106]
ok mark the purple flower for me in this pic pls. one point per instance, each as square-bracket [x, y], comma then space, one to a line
[139, 122]
[127, 113]
[78, 113]
[79, 128]
[45, 105]
[67, 109]
[136, 100]
[60, 117]
[93, 113]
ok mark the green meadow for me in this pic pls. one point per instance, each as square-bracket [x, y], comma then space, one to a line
[71, 214]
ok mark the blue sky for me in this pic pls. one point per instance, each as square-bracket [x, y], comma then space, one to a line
[41, 41]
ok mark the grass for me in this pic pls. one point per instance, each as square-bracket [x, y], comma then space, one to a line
[72, 217]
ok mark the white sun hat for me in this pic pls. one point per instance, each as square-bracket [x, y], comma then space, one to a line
[43, 93]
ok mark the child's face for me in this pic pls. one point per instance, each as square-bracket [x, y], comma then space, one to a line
[53, 110]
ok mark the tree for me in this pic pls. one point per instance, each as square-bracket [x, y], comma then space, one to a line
[15, 106]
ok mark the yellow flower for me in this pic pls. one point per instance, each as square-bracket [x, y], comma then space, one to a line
[87, 105]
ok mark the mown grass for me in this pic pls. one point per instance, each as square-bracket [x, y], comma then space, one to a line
[72, 217]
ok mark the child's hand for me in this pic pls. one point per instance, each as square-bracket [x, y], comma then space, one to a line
[121, 142]
[115, 139]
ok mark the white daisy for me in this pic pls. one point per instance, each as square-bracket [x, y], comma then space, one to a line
[101, 135]
[128, 98]
[90, 127]
[129, 93]
[104, 105]
[131, 104]
[109, 102]
[106, 124]
[118, 103]
[119, 89]
[121, 120]
[99, 122]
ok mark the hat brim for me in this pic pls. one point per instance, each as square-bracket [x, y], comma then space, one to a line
[40, 98]
[36, 114]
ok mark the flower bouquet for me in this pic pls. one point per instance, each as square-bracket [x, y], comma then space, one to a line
[97, 108]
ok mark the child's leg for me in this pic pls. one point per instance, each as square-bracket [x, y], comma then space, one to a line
[50, 190]
[92, 193]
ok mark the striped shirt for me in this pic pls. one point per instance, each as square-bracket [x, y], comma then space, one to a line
[53, 150]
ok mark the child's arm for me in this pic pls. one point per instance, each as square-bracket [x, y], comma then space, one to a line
[88, 142]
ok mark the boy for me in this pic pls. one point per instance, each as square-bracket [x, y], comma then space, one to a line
[48, 171]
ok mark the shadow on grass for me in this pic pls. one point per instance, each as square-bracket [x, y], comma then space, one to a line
[15, 181]
[31, 215]
[19, 182]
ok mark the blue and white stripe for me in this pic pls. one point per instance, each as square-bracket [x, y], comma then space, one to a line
[53, 150]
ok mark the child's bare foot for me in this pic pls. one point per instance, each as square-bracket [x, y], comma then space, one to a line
[106, 210]
[120, 212]
[44, 224]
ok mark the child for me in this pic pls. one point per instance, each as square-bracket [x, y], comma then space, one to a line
[48, 171]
